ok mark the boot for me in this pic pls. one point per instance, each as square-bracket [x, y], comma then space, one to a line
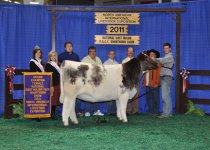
[53, 115]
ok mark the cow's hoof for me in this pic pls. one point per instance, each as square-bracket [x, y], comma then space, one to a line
[119, 119]
[125, 121]
[65, 124]
[75, 122]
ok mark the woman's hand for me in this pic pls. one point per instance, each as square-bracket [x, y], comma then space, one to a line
[51, 91]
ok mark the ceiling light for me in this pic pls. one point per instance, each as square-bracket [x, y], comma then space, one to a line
[16, 2]
[34, 3]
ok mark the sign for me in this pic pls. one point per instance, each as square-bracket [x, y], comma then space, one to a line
[116, 29]
[117, 40]
[37, 97]
[116, 18]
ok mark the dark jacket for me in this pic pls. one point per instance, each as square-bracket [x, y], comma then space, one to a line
[68, 56]
[34, 67]
[55, 75]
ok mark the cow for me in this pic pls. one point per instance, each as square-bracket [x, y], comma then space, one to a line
[97, 83]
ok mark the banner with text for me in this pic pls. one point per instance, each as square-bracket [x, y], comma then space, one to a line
[37, 96]
[117, 28]
[116, 18]
[117, 40]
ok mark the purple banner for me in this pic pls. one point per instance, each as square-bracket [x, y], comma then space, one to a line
[37, 97]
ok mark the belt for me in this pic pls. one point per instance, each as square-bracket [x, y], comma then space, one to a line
[167, 76]
[168, 67]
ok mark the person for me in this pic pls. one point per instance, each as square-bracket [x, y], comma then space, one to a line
[166, 76]
[69, 54]
[152, 83]
[52, 66]
[92, 59]
[111, 106]
[130, 55]
[135, 109]
[36, 63]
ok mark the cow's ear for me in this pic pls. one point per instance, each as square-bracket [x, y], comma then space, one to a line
[146, 52]
[145, 55]
[141, 56]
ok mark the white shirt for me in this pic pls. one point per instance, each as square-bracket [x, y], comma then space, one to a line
[89, 60]
[126, 60]
[147, 78]
[110, 62]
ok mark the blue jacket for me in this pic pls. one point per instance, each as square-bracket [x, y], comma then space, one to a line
[68, 56]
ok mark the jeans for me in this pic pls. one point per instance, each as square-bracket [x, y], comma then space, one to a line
[78, 106]
[90, 106]
[135, 103]
[153, 99]
[166, 83]
[111, 107]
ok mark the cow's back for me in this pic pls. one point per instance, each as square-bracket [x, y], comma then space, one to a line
[92, 82]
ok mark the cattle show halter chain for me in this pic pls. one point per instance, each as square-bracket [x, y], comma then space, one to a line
[131, 100]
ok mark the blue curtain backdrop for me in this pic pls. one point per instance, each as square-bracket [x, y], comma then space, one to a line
[22, 27]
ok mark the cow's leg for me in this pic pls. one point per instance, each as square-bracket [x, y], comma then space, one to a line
[65, 112]
[118, 110]
[72, 113]
[69, 110]
[61, 99]
[123, 105]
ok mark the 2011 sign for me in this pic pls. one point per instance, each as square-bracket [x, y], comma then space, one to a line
[117, 29]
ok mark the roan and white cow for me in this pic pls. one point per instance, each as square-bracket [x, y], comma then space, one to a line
[97, 83]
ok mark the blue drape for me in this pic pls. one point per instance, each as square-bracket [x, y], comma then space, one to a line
[22, 27]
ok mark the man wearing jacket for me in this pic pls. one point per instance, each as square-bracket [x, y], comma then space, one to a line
[152, 83]
[166, 76]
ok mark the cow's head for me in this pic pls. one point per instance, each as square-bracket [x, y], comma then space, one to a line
[133, 69]
[146, 62]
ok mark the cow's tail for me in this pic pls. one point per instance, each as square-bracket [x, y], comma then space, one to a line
[62, 83]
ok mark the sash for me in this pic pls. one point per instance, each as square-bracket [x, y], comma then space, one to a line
[38, 64]
[54, 64]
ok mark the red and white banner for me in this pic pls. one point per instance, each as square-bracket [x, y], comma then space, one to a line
[184, 73]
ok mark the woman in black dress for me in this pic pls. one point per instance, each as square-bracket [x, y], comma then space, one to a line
[52, 66]
[36, 64]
